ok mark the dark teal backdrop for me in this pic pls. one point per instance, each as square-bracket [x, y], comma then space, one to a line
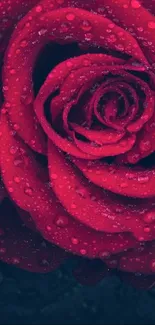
[56, 298]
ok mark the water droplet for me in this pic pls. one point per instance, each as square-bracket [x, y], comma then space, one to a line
[44, 262]
[104, 254]
[124, 185]
[135, 4]
[69, 64]
[147, 229]
[113, 263]
[61, 221]
[86, 26]
[42, 31]
[13, 150]
[15, 260]
[64, 28]
[10, 189]
[39, 8]
[54, 176]
[16, 127]
[140, 29]
[73, 206]
[82, 192]
[49, 228]
[149, 217]
[88, 36]
[18, 162]
[23, 43]
[70, 16]
[83, 251]
[17, 179]
[28, 191]
[74, 241]
[151, 24]
[145, 146]
[111, 25]
[26, 99]
[130, 175]
[12, 71]
[143, 179]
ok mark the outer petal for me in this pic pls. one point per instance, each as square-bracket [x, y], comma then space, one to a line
[23, 248]
[93, 206]
[137, 260]
[35, 196]
[127, 12]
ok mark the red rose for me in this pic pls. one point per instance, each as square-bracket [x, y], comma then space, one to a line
[77, 133]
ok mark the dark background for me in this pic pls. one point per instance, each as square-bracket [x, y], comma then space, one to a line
[57, 298]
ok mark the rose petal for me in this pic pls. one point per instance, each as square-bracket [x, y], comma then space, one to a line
[24, 248]
[122, 146]
[35, 196]
[93, 206]
[129, 12]
[102, 136]
[119, 179]
[140, 260]
[144, 146]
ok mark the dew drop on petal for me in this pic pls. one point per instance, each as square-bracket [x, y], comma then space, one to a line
[44, 262]
[143, 179]
[147, 229]
[42, 31]
[145, 146]
[123, 185]
[49, 228]
[13, 150]
[70, 16]
[10, 189]
[54, 176]
[151, 24]
[18, 162]
[74, 241]
[149, 217]
[73, 206]
[39, 8]
[86, 26]
[28, 191]
[135, 4]
[88, 36]
[83, 251]
[104, 254]
[61, 221]
[15, 260]
[82, 192]
[12, 71]
[17, 179]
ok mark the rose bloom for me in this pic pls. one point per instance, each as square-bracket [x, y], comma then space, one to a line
[77, 136]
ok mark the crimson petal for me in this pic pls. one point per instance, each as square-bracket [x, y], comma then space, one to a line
[132, 182]
[24, 248]
[93, 206]
[36, 197]
[140, 260]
